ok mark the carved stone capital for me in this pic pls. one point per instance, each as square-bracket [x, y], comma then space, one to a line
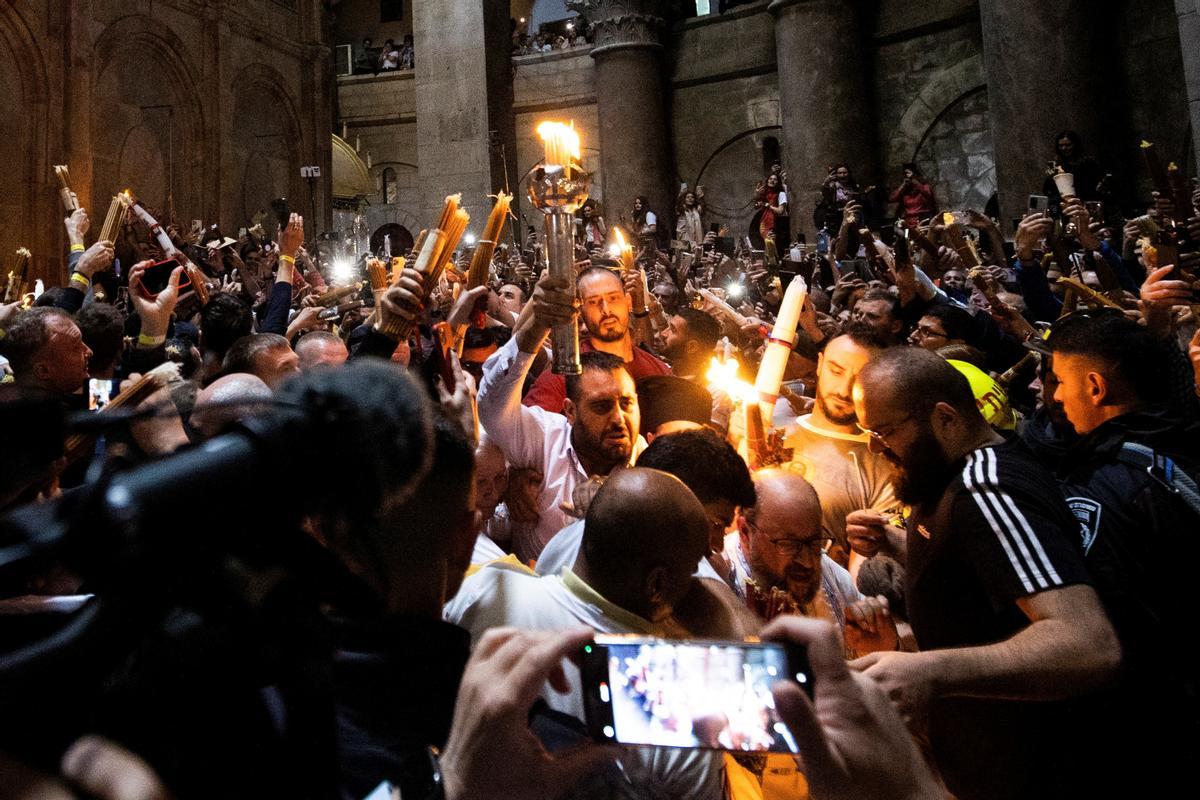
[622, 24]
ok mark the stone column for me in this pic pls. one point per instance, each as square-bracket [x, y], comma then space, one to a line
[823, 104]
[1188, 12]
[462, 93]
[635, 152]
[1043, 67]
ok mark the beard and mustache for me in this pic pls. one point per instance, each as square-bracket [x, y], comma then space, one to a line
[922, 474]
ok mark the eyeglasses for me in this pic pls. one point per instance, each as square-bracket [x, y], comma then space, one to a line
[793, 547]
[881, 438]
[926, 332]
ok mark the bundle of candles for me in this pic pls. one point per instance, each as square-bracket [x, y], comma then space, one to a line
[437, 249]
[378, 275]
[116, 217]
[481, 259]
[1169, 182]
[333, 296]
[561, 144]
[64, 191]
[15, 289]
[961, 244]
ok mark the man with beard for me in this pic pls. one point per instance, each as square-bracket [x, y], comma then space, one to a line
[777, 556]
[605, 308]
[832, 453]
[596, 433]
[996, 589]
[688, 343]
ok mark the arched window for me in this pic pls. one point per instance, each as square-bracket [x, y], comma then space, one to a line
[389, 185]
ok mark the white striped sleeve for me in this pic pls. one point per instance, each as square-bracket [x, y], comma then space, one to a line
[1019, 542]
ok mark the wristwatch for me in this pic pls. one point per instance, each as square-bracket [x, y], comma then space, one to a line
[645, 312]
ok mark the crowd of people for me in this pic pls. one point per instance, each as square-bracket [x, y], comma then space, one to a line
[259, 543]
[372, 60]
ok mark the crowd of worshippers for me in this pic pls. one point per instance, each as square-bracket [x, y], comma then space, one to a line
[982, 460]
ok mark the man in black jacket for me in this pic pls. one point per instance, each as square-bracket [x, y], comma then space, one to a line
[1130, 481]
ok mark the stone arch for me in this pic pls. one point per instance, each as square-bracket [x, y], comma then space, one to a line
[143, 80]
[730, 174]
[401, 238]
[266, 143]
[24, 84]
[953, 81]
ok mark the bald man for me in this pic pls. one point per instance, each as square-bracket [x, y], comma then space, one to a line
[321, 349]
[643, 535]
[227, 400]
[776, 559]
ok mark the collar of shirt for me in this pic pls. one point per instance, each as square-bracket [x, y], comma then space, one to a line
[586, 594]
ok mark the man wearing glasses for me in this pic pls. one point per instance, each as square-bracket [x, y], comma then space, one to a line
[995, 586]
[777, 556]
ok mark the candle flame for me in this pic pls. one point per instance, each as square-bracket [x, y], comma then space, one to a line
[947, 218]
[723, 375]
[562, 138]
[620, 237]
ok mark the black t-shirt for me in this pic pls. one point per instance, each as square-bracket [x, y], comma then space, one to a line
[1001, 531]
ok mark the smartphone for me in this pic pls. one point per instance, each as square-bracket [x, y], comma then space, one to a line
[692, 694]
[156, 277]
[790, 268]
[283, 213]
[1039, 202]
[99, 393]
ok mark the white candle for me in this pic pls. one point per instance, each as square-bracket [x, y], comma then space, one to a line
[779, 346]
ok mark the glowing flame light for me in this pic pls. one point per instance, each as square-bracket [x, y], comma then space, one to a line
[562, 144]
[343, 271]
[723, 375]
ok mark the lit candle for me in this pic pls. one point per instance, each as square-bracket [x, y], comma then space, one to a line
[561, 145]
[779, 346]
[624, 250]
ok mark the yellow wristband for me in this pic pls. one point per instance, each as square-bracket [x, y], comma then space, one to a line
[288, 259]
[82, 280]
[77, 248]
[146, 340]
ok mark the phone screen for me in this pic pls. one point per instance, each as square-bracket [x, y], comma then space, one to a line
[99, 393]
[156, 277]
[711, 695]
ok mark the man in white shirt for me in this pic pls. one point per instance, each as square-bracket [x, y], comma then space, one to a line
[597, 432]
[643, 535]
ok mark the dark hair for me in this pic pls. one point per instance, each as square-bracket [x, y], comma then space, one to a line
[26, 337]
[50, 298]
[593, 361]
[892, 300]
[374, 416]
[223, 321]
[243, 352]
[1073, 136]
[181, 352]
[1131, 354]
[665, 398]
[862, 335]
[103, 329]
[594, 271]
[706, 463]
[923, 379]
[910, 166]
[964, 352]
[701, 326]
[956, 320]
